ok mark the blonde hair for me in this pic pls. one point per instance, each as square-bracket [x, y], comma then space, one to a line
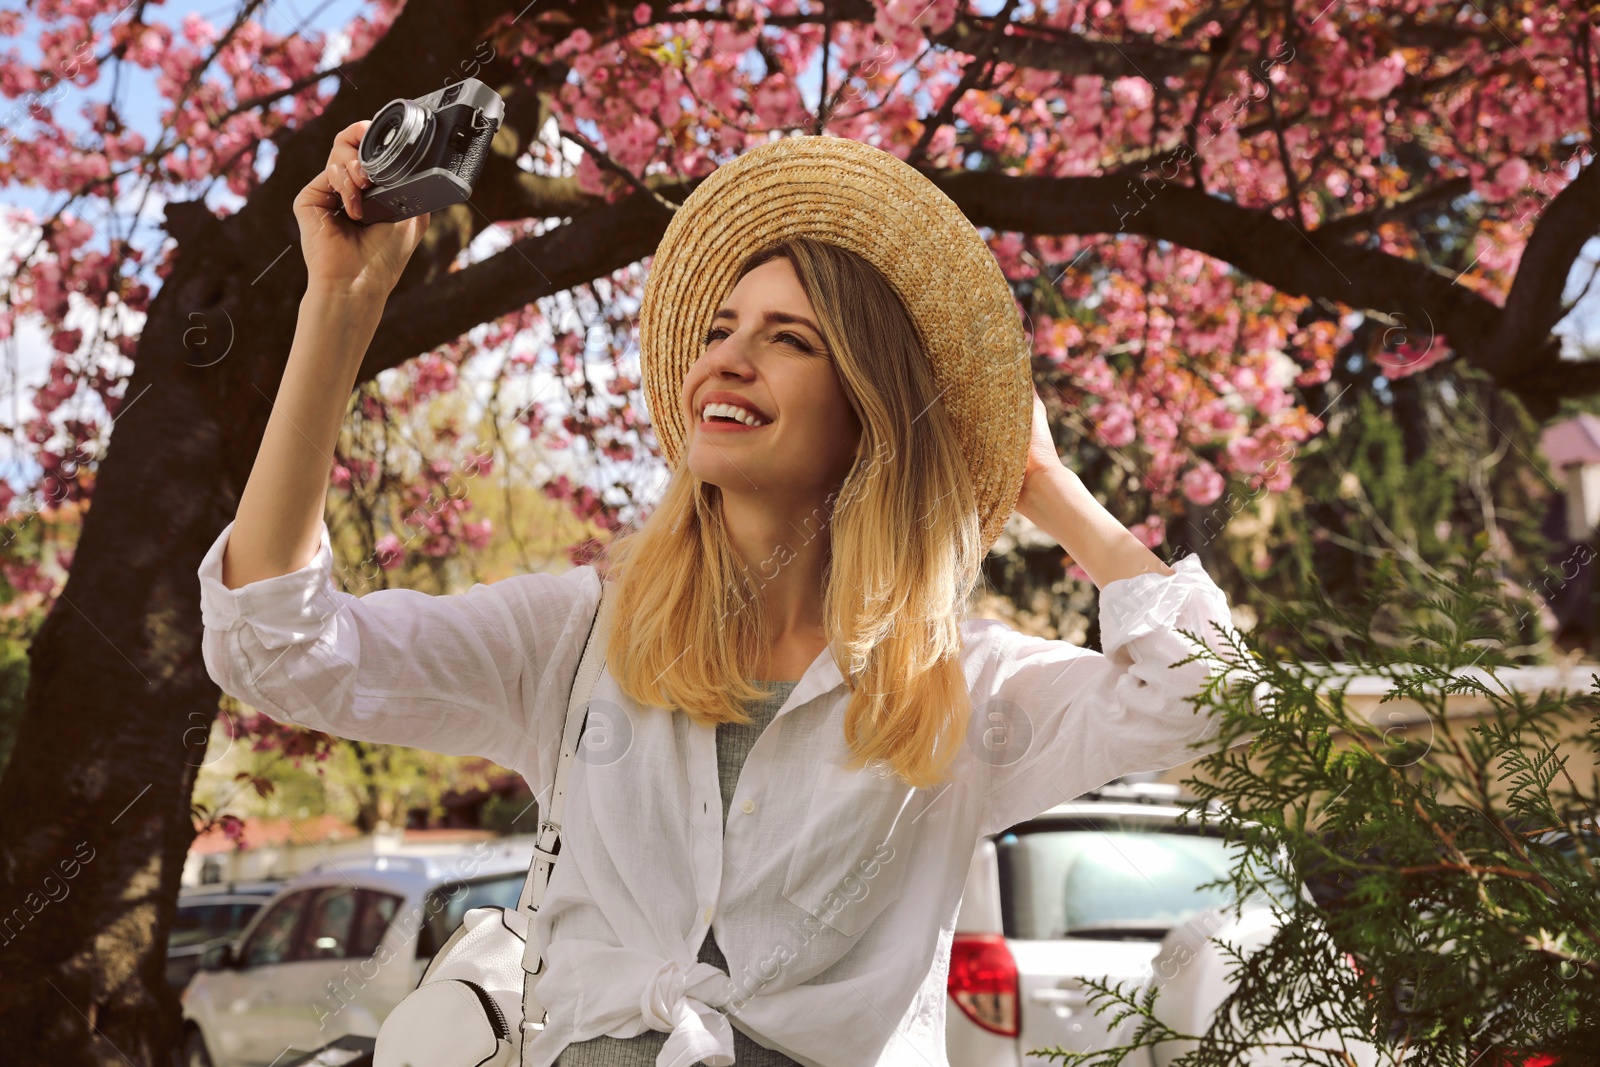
[902, 547]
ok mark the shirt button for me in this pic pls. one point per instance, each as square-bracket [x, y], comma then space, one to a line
[708, 915]
[748, 806]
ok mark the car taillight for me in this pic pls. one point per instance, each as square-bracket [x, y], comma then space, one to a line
[1508, 1058]
[983, 981]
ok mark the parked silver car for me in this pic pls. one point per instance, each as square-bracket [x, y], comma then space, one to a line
[336, 949]
[209, 915]
[1087, 890]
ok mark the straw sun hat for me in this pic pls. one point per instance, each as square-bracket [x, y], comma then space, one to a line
[863, 199]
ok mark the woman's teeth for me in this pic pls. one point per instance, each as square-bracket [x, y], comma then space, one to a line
[732, 412]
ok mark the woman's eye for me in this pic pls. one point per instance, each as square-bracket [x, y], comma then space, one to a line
[718, 331]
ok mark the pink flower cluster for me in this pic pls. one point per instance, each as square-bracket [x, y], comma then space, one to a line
[1175, 360]
[1205, 392]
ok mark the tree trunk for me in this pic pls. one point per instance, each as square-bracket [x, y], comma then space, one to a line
[368, 813]
[95, 818]
[94, 808]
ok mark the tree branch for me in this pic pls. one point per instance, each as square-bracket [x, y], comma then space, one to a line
[604, 160]
[1046, 48]
[506, 192]
[1186, 151]
[983, 59]
[601, 240]
[424, 41]
[1533, 306]
[1347, 226]
[1029, 45]
[1312, 265]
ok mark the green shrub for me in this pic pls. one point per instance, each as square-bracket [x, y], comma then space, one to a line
[1453, 905]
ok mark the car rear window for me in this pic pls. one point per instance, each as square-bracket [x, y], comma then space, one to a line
[377, 911]
[1123, 883]
[449, 902]
[195, 924]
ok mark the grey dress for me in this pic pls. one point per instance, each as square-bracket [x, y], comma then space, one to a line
[734, 741]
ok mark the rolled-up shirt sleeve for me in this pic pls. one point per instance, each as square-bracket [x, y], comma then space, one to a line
[485, 672]
[1053, 720]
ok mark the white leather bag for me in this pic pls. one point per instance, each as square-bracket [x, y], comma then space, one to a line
[475, 1003]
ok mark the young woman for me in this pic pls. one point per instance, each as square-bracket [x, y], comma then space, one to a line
[798, 736]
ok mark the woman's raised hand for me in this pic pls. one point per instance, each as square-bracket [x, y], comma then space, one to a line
[340, 255]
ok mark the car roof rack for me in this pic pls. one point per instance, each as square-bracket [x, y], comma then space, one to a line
[428, 864]
[1140, 792]
[383, 861]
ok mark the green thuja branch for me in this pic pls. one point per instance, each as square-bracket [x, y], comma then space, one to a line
[1428, 854]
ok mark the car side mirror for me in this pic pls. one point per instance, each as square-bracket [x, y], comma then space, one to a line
[218, 957]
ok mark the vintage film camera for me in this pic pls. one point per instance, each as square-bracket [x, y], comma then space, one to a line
[426, 154]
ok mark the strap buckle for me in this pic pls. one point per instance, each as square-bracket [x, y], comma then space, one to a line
[539, 836]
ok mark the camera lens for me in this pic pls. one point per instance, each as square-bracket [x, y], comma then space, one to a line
[397, 138]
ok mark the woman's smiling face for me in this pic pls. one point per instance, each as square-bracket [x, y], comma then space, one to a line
[763, 348]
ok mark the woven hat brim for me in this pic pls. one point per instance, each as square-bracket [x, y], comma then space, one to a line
[870, 202]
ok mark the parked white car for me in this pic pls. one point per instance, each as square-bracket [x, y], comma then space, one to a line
[336, 949]
[1089, 889]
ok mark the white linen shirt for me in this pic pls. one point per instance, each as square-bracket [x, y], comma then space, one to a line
[833, 892]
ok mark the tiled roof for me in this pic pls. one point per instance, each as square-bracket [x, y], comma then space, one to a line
[1575, 440]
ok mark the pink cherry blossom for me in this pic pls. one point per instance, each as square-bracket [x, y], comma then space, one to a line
[389, 552]
[1186, 366]
[1203, 484]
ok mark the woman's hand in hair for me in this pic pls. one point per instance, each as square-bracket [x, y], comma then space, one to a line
[340, 255]
[1042, 461]
[1042, 455]
[1055, 500]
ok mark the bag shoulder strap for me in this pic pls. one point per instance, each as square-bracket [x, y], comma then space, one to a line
[547, 845]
